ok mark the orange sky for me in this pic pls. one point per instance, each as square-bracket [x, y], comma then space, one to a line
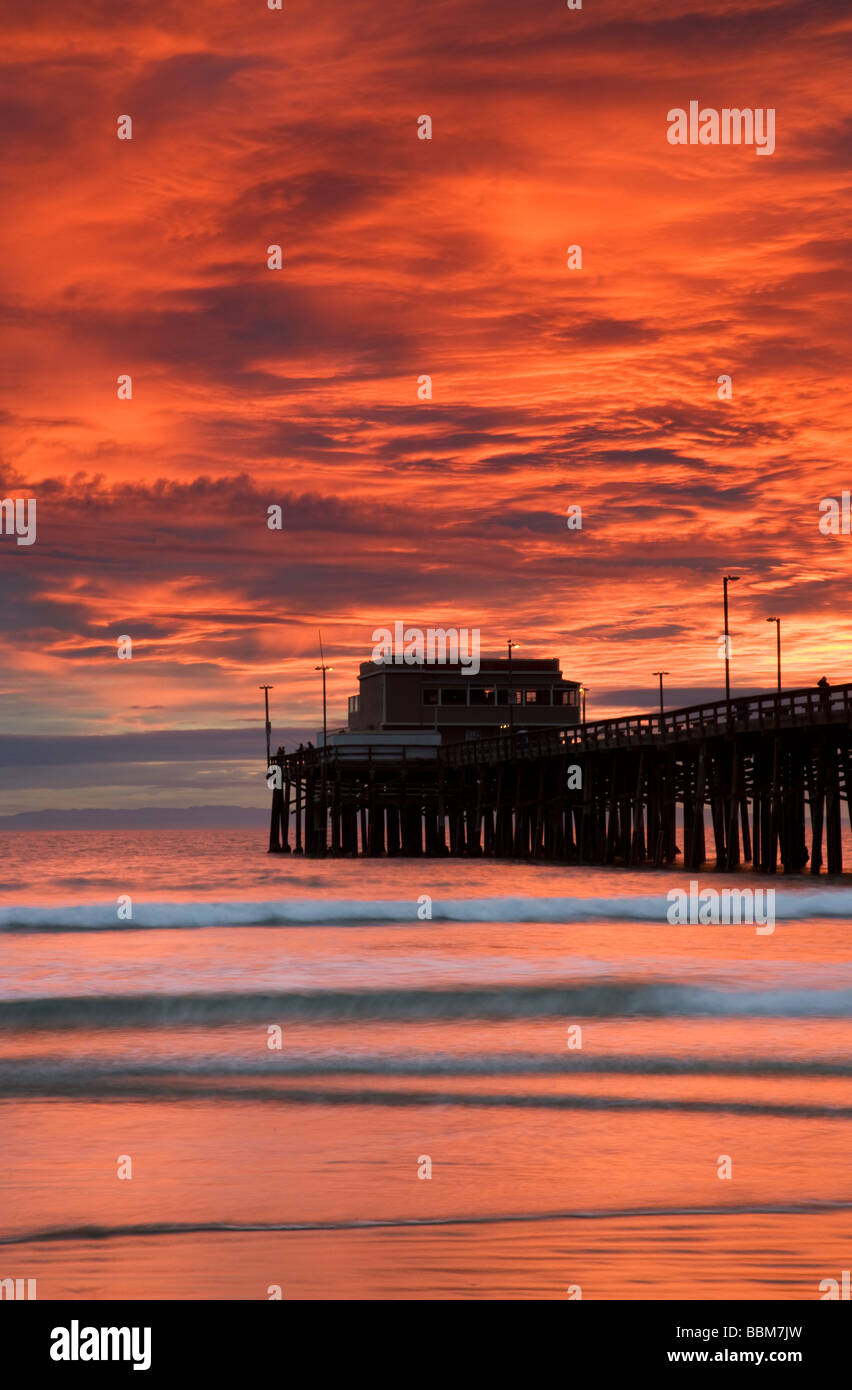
[403, 257]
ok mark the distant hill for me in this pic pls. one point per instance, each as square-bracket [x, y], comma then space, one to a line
[140, 818]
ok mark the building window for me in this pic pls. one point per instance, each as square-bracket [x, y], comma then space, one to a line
[430, 694]
[503, 697]
[564, 697]
[482, 694]
[354, 704]
[538, 697]
[453, 695]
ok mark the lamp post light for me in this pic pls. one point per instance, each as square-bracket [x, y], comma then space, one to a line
[777, 622]
[323, 667]
[728, 579]
[509, 648]
[661, 674]
[266, 689]
[583, 689]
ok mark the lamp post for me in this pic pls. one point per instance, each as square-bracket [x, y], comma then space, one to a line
[661, 674]
[777, 622]
[728, 579]
[266, 689]
[322, 667]
[509, 647]
[583, 689]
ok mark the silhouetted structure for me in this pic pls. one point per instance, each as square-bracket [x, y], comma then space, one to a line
[448, 698]
[618, 791]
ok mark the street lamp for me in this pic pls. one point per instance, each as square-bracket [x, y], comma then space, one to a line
[728, 579]
[661, 674]
[266, 689]
[777, 622]
[322, 667]
[509, 647]
[583, 689]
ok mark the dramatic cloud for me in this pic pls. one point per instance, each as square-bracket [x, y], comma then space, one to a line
[402, 258]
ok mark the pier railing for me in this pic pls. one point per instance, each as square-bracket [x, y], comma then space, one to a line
[754, 713]
[356, 754]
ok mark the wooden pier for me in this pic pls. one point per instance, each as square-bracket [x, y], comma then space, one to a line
[761, 780]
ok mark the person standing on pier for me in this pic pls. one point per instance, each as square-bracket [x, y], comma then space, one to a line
[824, 693]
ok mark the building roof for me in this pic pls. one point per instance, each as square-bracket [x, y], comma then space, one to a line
[541, 666]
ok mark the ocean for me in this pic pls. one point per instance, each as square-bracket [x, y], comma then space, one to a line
[398, 1078]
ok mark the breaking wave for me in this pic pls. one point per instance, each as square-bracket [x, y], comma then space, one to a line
[141, 1230]
[307, 912]
[611, 999]
[27, 1071]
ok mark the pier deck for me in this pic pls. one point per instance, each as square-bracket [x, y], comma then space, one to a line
[760, 779]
